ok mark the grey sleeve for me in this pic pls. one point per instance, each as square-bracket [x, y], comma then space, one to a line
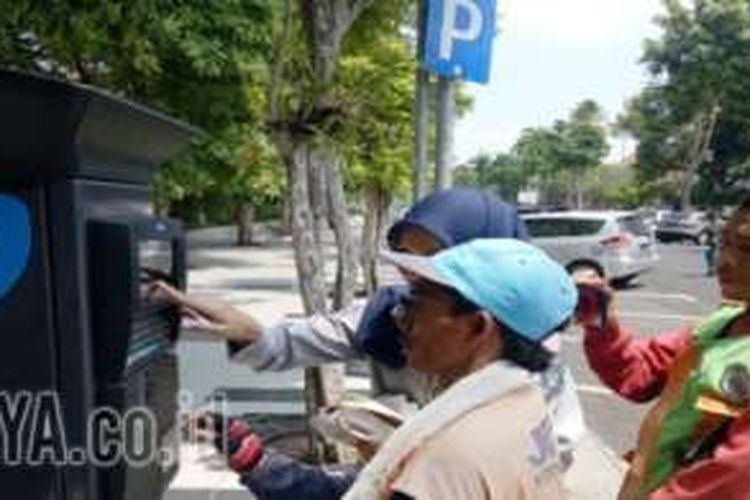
[313, 341]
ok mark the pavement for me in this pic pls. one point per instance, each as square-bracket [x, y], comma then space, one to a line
[262, 280]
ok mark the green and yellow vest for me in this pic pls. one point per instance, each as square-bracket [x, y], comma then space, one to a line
[708, 384]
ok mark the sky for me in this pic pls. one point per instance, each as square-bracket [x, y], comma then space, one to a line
[548, 56]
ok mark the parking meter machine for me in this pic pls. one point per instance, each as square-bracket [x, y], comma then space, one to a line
[88, 373]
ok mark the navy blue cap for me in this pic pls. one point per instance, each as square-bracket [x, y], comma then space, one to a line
[461, 214]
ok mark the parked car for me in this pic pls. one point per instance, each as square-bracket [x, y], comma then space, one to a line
[679, 226]
[651, 217]
[535, 209]
[616, 245]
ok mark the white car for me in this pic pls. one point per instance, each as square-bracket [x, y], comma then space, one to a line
[616, 245]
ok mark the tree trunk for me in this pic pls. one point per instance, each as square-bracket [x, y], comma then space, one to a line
[376, 207]
[568, 187]
[245, 217]
[308, 255]
[286, 211]
[161, 209]
[705, 125]
[324, 385]
[326, 22]
[346, 269]
[318, 195]
[286, 216]
[331, 377]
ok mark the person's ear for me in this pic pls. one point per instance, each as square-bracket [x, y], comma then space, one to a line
[483, 323]
[473, 326]
[491, 333]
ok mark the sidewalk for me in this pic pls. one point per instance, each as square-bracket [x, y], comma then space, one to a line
[262, 280]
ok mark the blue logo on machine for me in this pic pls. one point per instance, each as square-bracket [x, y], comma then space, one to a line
[459, 38]
[15, 242]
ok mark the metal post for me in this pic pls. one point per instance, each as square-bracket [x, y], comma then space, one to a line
[421, 109]
[444, 141]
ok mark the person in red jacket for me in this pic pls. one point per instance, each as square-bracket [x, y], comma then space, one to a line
[694, 443]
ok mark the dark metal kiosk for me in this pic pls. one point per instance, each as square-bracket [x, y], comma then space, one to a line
[85, 355]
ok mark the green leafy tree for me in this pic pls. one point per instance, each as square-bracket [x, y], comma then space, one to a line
[506, 176]
[310, 112]
[538, 151]
[692, 121]
[562, 157]
[313, 118]
[377, 143]
[232, 176]
[204, 65]
[582, 145]
[502, 174]
[559, 160]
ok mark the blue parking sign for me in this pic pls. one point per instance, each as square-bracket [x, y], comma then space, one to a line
[459, 38]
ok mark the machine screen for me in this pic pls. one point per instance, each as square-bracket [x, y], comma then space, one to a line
[155, 255]
[155, 264]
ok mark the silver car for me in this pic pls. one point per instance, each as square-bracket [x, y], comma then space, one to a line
[678, 226]
[616, 245]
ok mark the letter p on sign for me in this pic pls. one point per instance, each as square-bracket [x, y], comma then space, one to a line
[459, 38]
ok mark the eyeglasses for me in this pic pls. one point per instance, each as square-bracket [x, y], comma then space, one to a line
[403, 314]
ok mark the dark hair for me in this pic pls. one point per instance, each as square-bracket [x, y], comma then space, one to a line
[532, 356]
[744, 204]
[461, 305]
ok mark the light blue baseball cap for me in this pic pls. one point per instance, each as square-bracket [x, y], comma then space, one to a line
[518, 283]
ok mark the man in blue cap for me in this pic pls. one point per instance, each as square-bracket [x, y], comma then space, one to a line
[476, 320]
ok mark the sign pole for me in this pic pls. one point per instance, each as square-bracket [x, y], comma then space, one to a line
[457, 46]
[444, 135]
[422, 109]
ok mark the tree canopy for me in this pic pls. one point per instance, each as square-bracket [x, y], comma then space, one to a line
[556, 159]
[203, 64]
[692, 121]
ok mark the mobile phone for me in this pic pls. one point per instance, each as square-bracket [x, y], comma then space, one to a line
[593, 300]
